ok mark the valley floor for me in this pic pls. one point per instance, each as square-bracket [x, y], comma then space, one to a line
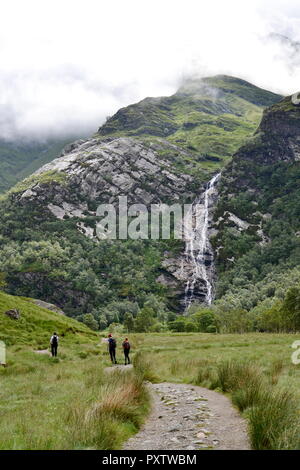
[177, 357]
[73, 403]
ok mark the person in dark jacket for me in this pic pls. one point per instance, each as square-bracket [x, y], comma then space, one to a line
[112, 344]
[126, 349]
[54, 344]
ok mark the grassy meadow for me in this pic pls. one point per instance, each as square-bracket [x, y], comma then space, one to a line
[72, 402]
[178, 357]
[68, 402]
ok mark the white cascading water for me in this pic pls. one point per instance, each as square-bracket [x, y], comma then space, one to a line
[197, 245]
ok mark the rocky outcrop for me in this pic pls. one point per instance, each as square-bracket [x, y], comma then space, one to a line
[51, 307]
[102, 171]
[14, 314]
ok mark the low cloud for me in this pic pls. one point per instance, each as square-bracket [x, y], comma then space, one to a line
[66, 66]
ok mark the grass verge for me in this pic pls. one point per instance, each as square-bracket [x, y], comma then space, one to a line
[70, 402]
[272, 412]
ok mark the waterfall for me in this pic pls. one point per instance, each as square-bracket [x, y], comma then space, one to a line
[198, 251]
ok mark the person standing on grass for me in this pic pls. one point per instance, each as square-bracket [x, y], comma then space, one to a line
[112, 344]
[126, 349]
[54, 344]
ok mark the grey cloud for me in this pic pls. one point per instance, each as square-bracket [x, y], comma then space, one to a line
[64, 80]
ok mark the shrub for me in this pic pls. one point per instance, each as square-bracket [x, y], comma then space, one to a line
[205, 321]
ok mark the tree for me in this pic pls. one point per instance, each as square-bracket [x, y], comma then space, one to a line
[128, 322]
[177, 325]
[2, 281]
[144, 320]
[190, 326]
[271, 319]
[234, 321]
[90, 321]
[102, 322]
[205, 320]
[291, 308]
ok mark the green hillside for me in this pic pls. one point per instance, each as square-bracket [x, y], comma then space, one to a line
[208, 117]
[36, 324]
[20, 159]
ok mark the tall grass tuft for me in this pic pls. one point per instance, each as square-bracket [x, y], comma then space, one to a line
[144, 368]
[274, 420]
[234, 375]
[273, 414]
[275, 370]
[121, 403]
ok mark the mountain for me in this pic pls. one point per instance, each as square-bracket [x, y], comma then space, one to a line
[256, 221]
[209, 118]
[159, 150]
[19, 159]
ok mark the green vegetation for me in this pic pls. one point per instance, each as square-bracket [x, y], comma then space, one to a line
[47, 258]
[113, 284]
[43, 178]
[87, 407]
[272, 412]
[256, 265]
[209, 118]
[271, 308]
[53, 259]
[68, 402]
[36, 324]
[243, 89]
[20, 159]
[254, 369]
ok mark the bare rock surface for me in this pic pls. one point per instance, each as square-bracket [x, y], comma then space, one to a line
[51, 307]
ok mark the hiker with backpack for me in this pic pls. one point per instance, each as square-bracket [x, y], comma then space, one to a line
[112, 344]
[54, 344]
[126, 349]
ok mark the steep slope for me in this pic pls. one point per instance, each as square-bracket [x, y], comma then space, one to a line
[19, 159]
[48, 247]
[257, 219]
[36, 324]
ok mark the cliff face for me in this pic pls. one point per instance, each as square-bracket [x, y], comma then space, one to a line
[276, 140]
[259, 200]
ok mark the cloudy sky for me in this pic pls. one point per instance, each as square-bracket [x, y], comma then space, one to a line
[67, 64]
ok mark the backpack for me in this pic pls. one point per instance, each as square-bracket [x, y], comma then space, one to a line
[126, 345]
[54, 341]
[112, 343]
